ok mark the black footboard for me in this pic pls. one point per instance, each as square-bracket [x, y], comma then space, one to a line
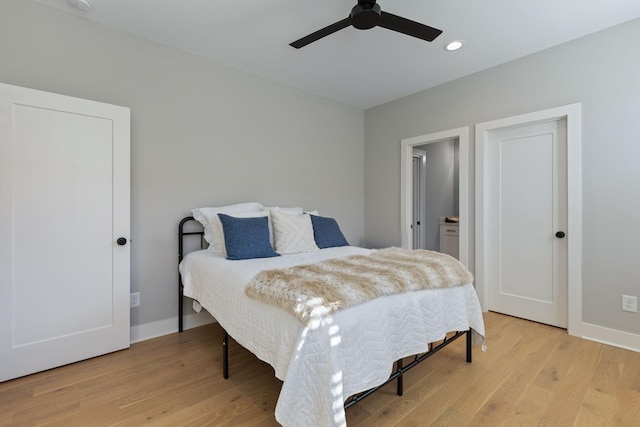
[401, 368]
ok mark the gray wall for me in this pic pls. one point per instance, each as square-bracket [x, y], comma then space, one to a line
[202, 134]
[205, 134]
[602, 72]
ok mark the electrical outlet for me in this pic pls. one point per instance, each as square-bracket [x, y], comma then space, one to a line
[629, 303]
[134, 299]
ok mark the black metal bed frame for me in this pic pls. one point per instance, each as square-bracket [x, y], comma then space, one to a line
[400, 368]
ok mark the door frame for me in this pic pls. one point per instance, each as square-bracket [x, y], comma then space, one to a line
[406, 184]
[573, 115]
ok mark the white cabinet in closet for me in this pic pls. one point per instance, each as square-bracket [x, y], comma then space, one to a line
[449, 238]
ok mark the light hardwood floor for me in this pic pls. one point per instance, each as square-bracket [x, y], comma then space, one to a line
[530, 375]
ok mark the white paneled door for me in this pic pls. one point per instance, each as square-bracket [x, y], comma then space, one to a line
[526, 219]
[64, 203]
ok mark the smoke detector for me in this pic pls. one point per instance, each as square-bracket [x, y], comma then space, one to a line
[83, 5]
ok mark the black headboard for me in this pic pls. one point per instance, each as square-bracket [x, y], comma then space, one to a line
[182, 237]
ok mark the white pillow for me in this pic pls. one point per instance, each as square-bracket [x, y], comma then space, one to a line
[292, 234]
[206, 216]
[292, 211]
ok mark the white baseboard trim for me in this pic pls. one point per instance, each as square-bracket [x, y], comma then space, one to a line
[159, 328]
[612, 337]
[590, 332]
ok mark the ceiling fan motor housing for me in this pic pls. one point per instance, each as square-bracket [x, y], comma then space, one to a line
[365, 15]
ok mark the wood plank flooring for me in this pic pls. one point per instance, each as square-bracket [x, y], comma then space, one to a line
[530, 375]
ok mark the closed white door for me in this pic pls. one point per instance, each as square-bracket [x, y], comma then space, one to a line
[526, 192]
[64, 202]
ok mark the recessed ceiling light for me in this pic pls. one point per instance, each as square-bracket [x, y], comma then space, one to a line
[454, 45]
[83, 5]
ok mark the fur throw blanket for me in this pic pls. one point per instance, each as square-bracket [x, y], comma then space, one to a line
[315, 290]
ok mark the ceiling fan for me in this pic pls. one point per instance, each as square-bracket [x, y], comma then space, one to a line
[367, 14]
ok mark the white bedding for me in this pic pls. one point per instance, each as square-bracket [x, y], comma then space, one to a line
[349, 352]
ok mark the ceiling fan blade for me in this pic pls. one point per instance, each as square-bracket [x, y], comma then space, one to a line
[321, 33]
[408, 27]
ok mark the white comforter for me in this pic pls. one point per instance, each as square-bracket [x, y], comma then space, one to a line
[323, 364]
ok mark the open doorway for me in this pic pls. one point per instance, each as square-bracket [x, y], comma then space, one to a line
[436, 196]
[455, 142]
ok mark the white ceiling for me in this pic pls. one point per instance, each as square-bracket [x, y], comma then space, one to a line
[361, 68]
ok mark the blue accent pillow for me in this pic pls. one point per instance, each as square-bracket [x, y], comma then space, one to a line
[246, 238]
[326, 232]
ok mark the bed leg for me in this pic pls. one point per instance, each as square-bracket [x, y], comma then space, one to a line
[180, 308]
[399, 368]
[469, 346]
[225, 356]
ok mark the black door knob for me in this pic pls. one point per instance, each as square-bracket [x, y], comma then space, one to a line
[560, 234]
[121, 241]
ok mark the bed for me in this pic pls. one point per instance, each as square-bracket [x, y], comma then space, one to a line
[333, 360]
